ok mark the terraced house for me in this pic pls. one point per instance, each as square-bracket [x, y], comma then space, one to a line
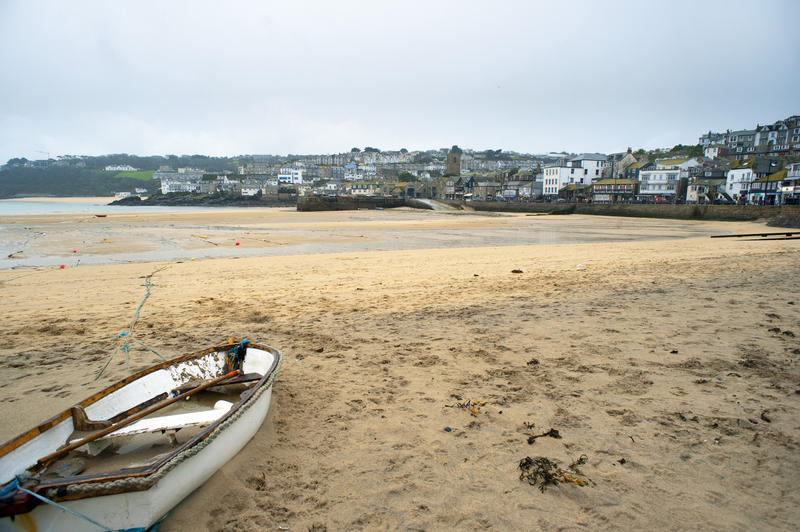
[611, 190]
[661, 183]
[740, 177]
[781, 138]
[774, 140]
[767, 190]
[581, 170]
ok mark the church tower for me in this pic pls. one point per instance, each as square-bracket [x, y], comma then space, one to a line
[454, 161]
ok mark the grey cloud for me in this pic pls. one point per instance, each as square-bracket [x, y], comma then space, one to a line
[260, 77]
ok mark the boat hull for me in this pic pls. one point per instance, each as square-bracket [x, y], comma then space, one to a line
[138, 510]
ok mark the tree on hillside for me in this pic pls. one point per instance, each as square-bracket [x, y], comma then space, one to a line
[688, 151]
[65, 181]
[17, 161]
[496, 155]
[406, 176]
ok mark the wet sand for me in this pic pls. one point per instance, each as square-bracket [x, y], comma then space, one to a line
[34, 241]
[671, 364]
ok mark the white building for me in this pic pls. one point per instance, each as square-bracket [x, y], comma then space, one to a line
[659, 182]
[292, 176]
[712, 138]
[581, 170]
[738, 181]
[712, 152]
[170, 185]
[352, 173]
[120, 168]
[663, 179]
[790, 188]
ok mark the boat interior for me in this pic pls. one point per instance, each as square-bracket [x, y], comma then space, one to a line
[148, 440]
[140, 421]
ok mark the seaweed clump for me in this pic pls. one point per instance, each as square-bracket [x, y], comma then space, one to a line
[545, 472]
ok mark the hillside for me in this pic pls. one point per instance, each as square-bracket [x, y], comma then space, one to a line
[86, 176]
[68, 181]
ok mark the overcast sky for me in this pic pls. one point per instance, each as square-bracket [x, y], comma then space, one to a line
[226, 78]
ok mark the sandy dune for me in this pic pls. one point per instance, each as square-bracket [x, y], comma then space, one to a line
[670, 364]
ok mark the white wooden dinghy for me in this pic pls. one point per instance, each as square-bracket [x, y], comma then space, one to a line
[122, 458]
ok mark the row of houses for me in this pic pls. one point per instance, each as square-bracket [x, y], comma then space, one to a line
[774, 140]
[751, 181]
[474, 188]
[248, 184]
[590, 177]
[595, 177]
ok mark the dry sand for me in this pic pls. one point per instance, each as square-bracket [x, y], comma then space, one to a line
[650, 359]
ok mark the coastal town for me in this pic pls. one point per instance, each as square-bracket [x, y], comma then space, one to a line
[757, 166]
[469, 266]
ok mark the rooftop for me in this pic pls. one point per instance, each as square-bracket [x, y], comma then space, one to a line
[612, 181]
[777, 176]
[590, 157]
[745, 163]
[673, 162]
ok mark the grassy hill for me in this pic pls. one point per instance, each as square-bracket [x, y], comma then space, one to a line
[143, 175]
[69, 181]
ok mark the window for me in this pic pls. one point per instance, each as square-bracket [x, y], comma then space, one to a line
[597, 172]
[572, 171]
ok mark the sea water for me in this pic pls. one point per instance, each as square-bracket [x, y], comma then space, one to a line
[11, 207]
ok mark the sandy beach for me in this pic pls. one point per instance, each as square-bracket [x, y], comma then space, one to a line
[667, 359]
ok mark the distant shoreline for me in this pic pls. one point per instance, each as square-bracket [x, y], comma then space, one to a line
[62, 199]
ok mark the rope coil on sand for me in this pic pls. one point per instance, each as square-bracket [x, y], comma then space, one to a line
[127, 336]
[143, 483]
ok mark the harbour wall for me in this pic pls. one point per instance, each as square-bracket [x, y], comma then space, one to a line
[790, 214]
[682, 212]
[340, 203]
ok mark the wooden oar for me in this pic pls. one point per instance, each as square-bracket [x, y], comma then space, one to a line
[82, 422]
[43, 462]
[247, 377]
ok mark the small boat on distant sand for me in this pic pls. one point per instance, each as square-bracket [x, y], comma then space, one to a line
[121, 459]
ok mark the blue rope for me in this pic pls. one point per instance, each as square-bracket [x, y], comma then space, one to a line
[10, 487]
[150, 348]
[126, 344]
[147, 286]
[62, 507]
[233, 353]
